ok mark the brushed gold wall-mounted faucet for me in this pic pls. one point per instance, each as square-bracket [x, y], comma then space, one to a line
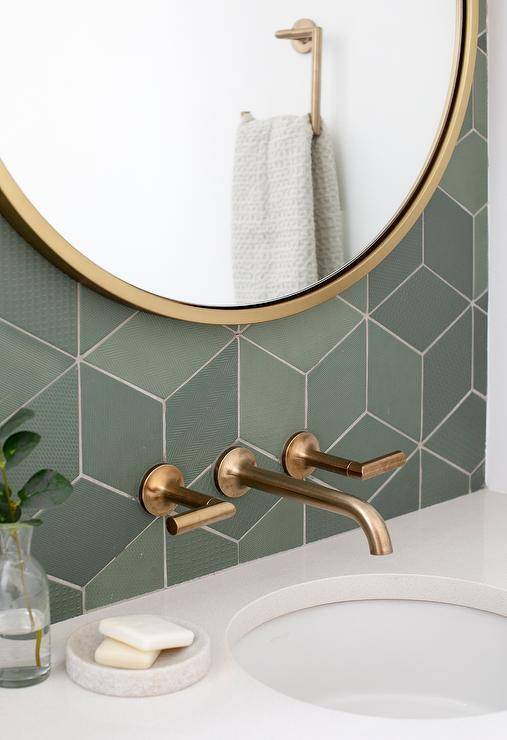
[236, 471]
[162, 490]
[301, 455]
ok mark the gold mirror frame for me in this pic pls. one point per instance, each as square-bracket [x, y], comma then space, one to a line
[25, 218]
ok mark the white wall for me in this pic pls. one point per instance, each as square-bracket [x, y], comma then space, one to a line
[496, 443]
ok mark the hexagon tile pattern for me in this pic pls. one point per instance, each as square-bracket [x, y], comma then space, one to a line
[398, 361]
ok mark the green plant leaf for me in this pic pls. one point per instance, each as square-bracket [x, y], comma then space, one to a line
[5, 512]
[33, 522]
[45, 489]
[15, 421]
[18, 446]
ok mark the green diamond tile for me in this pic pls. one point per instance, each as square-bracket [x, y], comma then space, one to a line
[483, 302]
[303, 339]
[397, 266]
[440, 481]
[121, 431]
[158, 354]
[80, 537]
[337, 389]
[448, 242]
[420, 309]
[447, 372]
[481, 94]
[401, 494]
[202, 417]
[98, 317]
[357, 294]
[272, 398]
[483, 12]
[482, 42]
[394, 381]
[66, 602]
[481, 252]
[35, 295]
[480, 351]
[468, 121]
[250, 507]
[135, 571]
[466, 177]
[321, 524]
[477, 479]
[368, 438]
[461, 439]
[27, 366]
[57, 421]
[281, 529]
[198, 553]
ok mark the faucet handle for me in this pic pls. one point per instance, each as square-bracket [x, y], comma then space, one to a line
[301, 455]
[162, 490]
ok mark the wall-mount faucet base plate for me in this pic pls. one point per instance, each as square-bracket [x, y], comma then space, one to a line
[294, 453]
[228, 466]
[154, 486]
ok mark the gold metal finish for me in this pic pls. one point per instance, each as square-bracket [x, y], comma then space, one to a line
[306, 36]
[236, 471]
[27, 220]
[301, 455]
[162, 490]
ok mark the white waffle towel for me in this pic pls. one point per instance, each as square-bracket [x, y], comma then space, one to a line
[286, 215]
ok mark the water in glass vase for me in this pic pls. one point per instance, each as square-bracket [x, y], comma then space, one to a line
[24, 611]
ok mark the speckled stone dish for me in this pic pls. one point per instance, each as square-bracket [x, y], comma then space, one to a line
[172, 671]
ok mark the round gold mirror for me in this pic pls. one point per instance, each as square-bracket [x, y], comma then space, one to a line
[125, 161]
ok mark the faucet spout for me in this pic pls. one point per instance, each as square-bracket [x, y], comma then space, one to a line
[236, 471]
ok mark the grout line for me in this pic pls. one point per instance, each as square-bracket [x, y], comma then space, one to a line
[451, 412]
[164, 552]
[110, 334]
[478, 466]
[367, 365]
[74, 586]
[454, 199]
[259, 449]
[453, 287]
[392, 427]
[472, 352]
[151, 524]
[335, 346]
[208, 361]
[394, 290]
[306, 401]
[260, 519]
[444, 459]
[78, 318]
[90, 479]
[79, 419]
[164, 431]
[38, 339]
[272, 354]
[122, 380]
[341, 299]
[238, 381]
[396, 336]
[304, 524]
[420, 477]
[220, 534]
[347, 430]
[42, 390]
[447, 328]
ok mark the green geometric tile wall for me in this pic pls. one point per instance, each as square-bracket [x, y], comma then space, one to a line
[396, 362]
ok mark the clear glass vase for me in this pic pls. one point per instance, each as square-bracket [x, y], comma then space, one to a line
[25, 653]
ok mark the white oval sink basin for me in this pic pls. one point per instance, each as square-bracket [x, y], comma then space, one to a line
[390, 657]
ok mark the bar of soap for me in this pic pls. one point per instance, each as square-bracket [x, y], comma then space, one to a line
[146, 632]
[118, 655]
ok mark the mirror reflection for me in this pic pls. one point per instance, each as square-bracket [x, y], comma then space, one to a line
[187, 149]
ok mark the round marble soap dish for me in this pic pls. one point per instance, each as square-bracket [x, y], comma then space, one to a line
[172, 671]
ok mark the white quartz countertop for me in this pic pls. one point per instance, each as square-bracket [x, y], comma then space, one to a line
[463, 539]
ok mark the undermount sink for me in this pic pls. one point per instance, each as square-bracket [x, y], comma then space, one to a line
[396, 656]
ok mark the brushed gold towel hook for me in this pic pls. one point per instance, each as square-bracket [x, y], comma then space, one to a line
[306, 37]
[162, 490]
[301, 455]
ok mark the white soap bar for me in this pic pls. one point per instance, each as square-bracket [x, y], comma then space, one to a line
[146, 632]
[118, 655]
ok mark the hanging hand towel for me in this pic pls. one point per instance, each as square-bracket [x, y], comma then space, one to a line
[286, 216]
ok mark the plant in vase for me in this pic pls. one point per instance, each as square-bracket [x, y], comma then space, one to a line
[24, 596]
